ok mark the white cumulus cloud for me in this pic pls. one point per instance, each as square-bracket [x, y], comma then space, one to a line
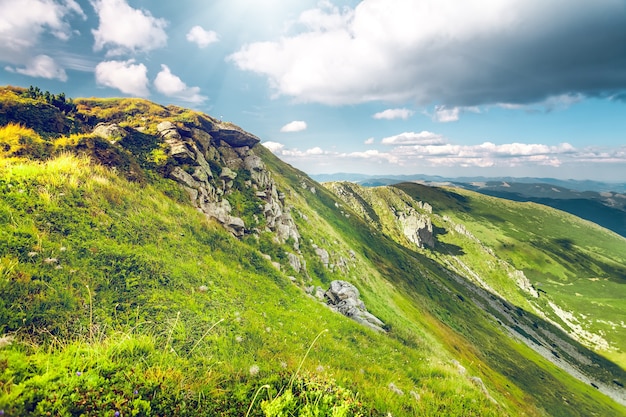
[41, 66]
[411, 158]
[444, 114]
[24, 22]
[172, 86]
[391, 114]
[487, 154]
[369, 141]
[274, 147]
[412, 138]
[295, 126]
[372, 155]
[201, 36]
[457, 54]
[126, 76]
[124, 30]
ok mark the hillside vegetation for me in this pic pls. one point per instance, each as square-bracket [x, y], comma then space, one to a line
[607, 209]
[152, 268]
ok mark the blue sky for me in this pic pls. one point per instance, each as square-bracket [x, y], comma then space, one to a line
[440, 87]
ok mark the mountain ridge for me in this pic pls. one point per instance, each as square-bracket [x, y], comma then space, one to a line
[219, 252]
[571, 184]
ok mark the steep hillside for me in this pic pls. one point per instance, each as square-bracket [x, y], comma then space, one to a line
[156, 261]
[532, 271]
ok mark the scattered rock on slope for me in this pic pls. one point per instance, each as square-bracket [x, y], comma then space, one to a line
[344, 298]
[110, 131]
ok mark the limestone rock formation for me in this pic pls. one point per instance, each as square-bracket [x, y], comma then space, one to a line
[297, 262]
[417, 228]
[323, 255]
[344, 298]
[235, 138]
[110, 131]
[194, 151]
[524, 283]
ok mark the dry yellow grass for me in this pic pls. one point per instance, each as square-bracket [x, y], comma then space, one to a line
[14, 136]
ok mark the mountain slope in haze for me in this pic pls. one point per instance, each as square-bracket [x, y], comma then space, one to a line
[608, 209]
[156, 261]
[599, 202]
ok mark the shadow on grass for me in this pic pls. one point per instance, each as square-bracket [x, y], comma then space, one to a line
[470, 311]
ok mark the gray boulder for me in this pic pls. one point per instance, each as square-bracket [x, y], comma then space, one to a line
[184, 178]
[236, 138]
[294, 261]
[168, 130]
[110, 131]
[344, 298]
[323, 255]
[228, 174]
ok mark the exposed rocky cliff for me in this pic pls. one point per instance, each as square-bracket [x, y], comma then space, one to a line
[418, 228]
[225, 180]
[389, 210]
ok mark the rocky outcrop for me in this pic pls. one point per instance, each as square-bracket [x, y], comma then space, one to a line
[110, 131]
[235, 138]
[417, 228]
[296, 262]
[323, 255]
[344, 298]
[195, 151]
[523, 282]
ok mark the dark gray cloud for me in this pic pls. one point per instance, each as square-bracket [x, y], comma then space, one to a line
[450, 53]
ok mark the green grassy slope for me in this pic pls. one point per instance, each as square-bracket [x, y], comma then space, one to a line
[607, 209]
[470, 334]
[574, 263]
[117, 295]
[461, 253]
[101, 284]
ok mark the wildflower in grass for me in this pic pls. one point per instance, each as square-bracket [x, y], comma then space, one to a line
[392, 387]
[58, 267]
[283, 364]
[268, 329]
[78, 373]
[239, 339]
[6, 340]
[32, 254]
[203, 288]
[50, 261]
[116, 414]
[319, 369]
[254, 370]
[62, 248]
[135, 392]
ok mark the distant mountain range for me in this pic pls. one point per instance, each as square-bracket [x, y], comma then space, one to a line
[377, 180]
